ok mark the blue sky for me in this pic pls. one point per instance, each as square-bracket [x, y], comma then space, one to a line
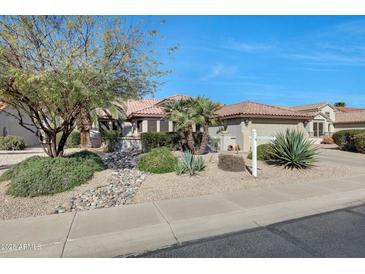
[280, 60]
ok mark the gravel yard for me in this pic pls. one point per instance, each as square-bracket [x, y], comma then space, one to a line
[122, 184]
[114, 186]
[18, 207]
[213, 180]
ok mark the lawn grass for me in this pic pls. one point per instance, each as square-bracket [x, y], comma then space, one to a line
[39, 175]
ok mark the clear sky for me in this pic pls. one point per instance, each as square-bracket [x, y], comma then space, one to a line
[280, 60]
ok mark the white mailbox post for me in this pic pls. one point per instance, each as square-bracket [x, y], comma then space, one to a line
[254, 139]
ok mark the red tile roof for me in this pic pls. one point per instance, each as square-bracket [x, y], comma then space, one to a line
[261, 110]
[350, 117]
[346, 109]
[150, 107]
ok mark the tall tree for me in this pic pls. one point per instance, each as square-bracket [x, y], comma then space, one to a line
[180, 112]
[205, 113]
[340, 104]
[53, 67]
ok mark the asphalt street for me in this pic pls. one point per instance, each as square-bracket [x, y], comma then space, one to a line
[330, 235]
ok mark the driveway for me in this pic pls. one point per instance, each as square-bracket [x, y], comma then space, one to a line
[336, 234]
[9, 158]
[342, 158]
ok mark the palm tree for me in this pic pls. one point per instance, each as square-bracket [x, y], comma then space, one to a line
[180, 112]
[84, 124]
[205, 113]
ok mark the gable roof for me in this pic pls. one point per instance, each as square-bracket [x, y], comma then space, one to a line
[311, 107]
[251, 109]
[150, 107]
[347, 109]
[350, 117]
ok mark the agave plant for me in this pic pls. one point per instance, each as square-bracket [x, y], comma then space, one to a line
[190, 164]
[293, 150]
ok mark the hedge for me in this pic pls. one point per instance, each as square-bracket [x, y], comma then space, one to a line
[345, 139]
[172, 140]
[359, 141]
[11, 142]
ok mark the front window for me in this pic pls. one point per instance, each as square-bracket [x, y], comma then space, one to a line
[318, 129]
[139, 125]
[152, 125]
[164, 125]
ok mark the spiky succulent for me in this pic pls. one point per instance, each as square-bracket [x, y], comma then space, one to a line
[190, 164]
[293, 149]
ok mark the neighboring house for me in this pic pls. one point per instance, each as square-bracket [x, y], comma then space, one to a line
[239, 120]
[10, 126]
[324, 116]
[350, 120]
[147, 115]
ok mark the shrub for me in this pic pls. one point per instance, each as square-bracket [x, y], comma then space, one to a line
[327, 140]
[158, 160]
[73, 139]
[359, 141]
[152, 140]
[111, 139]
[190, 164]
[345, 139]
[231, 162]
[39, 175]
[293, 150]
[12, 143]
[263, 152]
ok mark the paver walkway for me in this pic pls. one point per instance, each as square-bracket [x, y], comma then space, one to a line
[142, 227]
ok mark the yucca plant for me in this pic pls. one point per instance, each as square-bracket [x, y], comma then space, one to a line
[190, 164]
[293, 150]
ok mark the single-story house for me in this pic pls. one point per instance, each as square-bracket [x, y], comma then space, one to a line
[239, 120]
[328, 119]
[147, 115]
[10, 126]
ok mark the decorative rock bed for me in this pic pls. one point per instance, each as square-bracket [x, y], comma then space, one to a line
[125, 182]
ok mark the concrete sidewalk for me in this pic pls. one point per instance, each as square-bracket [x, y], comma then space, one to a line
[143, 227]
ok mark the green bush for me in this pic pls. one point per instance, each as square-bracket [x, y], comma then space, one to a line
[172, 140]
[158, 160]
[39, 175]
[72, 141]
[263, 152]
[359, 141]
[152, 140]
[111, 139]
[12, 143]
[345, 139]
[190, 164]
[293, 150]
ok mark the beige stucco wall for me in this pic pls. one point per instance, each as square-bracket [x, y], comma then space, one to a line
[331, 111]
[13, 128]
[264, 127]
[339, 127]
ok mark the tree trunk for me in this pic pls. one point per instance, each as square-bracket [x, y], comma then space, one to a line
[190, 139]
[84, 123]
[205, 139]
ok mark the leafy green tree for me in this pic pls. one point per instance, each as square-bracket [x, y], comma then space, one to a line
[186, 113]
[54, 67]
[205, 113]
[180, 112]
[340, 104]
